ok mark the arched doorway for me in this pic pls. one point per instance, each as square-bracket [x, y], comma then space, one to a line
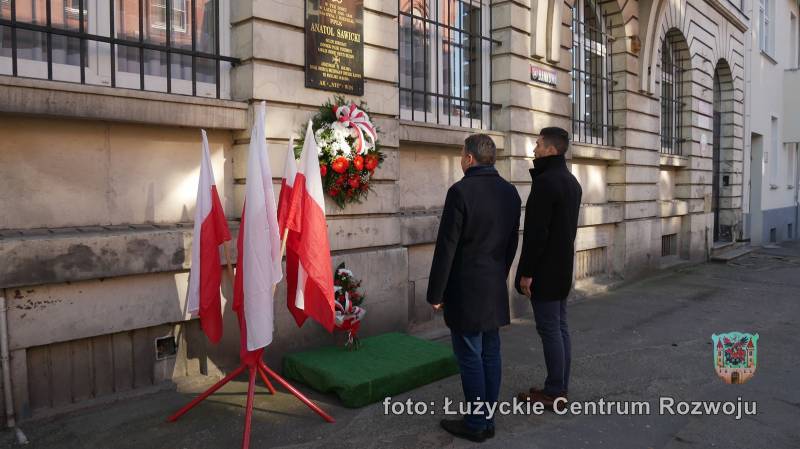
[721, 192]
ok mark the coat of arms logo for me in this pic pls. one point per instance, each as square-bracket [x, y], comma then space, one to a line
[735, 356]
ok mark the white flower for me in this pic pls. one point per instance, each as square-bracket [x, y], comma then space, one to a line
[336, 288]
[345, 271]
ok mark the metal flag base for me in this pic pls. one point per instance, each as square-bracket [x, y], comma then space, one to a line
[264, 372]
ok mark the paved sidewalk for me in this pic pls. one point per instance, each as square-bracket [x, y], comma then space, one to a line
[638, 343]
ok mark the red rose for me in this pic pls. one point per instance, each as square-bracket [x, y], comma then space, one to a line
[333, 192]
[358, 163]
[340, 180]
[371, 162]
[323, 170]
[354, 181]
[340, 164]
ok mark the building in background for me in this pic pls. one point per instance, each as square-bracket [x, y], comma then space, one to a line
[772, 132]
[100, 148]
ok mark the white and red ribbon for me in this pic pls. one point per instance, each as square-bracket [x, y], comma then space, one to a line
[351, 116]
[347, 317]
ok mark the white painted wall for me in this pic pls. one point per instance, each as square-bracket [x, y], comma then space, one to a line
[766, 97]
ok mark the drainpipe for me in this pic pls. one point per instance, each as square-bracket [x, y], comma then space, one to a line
[796, 189]
[6, 362]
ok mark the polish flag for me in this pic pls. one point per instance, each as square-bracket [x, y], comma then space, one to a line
[314, 284]
[258, 267]
[210, 231]
[289, 173]
[285, 205]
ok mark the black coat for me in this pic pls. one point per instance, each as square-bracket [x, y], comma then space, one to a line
[475, 248]
[551, 222]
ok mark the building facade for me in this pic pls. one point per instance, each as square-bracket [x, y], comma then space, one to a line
[772, 133]
[100, 156]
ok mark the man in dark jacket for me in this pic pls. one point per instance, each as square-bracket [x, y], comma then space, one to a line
[474, 251]
[545, 267]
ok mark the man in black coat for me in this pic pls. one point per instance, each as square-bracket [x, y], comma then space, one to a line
[544, 273]
[474, 251]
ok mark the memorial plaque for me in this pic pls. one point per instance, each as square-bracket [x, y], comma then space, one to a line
[335, 45]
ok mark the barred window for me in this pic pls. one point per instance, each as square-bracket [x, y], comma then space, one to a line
[173, 46]
[591, 75]
[445, 62]
[672, 62]
[766, 35]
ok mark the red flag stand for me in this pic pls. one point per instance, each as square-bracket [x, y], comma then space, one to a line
[252, 362]
[256, 364]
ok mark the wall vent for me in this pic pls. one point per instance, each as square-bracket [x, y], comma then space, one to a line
[591, 262]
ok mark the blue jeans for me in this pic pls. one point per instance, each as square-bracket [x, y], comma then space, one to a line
[551, 324]
[478, 355]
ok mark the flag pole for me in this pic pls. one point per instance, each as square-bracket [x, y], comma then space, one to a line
[283, 251]
[227, 246]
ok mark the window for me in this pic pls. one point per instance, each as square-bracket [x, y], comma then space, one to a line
[775, 155]
[791, 157]
[74, 40]
[793, 55]
[766, 15]
[591, 75]
[671, 97]
[158, 14]
[669, 245]
[445, 62]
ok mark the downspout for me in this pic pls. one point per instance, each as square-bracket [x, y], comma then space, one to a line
[796, 188]
[6, 362]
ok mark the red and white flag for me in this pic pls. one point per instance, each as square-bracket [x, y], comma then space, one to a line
[210, 231]
[287, 183]
[258, 267]
[314, 283]
[285, 205]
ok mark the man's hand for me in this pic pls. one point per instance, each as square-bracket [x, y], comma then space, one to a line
[437, 307]
[525, 285]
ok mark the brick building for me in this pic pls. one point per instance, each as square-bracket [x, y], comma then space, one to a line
[100, 117]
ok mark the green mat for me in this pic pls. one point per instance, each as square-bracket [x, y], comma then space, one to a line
[385, 365]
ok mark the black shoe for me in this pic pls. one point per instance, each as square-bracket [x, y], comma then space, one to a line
[489, 432]
[458, 428]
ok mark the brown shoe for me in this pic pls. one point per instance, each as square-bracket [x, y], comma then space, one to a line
[535, 390]
[548, 401]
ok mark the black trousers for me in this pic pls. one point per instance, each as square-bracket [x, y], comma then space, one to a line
[551, 324]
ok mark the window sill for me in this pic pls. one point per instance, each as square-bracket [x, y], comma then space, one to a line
[69, 100]
[580, 150]
[673, 160]
[769, 57]
[453, 136]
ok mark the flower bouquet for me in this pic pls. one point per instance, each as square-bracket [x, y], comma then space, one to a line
[349, 313]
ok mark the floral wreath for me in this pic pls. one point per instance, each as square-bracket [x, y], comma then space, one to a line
[349, 152]
[348, 314]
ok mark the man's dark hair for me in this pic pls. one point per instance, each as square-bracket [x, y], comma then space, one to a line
[557, 137]
[482, 148]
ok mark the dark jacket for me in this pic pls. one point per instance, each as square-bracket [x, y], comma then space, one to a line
[475, 248]
[551, 222]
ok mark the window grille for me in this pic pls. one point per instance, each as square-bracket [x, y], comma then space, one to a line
[591, 75]
[445, 62]
[161, 45]
[591, 262]
[671, 95]
[669, 245]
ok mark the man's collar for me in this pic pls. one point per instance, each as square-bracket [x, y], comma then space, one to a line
[480, 170]
[545, 163]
